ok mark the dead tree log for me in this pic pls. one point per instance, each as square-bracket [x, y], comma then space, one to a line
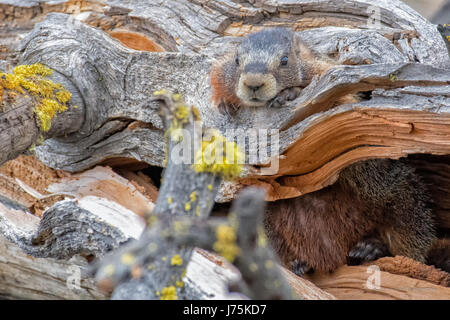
[115, 80]
[30, 99]
[400, 64]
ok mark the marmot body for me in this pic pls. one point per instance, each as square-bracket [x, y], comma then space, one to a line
[376, 208]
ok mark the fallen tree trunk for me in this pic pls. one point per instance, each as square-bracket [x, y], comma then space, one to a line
[402, 74]
[113, 81]
[422, 88]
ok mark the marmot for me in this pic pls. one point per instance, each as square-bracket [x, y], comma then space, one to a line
[269, 68]
[376, 208]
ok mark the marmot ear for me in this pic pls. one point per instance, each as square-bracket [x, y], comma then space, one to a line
[302, 51]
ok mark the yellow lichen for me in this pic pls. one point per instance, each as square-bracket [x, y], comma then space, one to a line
[160, 92]
[46, 111]
[187, 206]
[127, 259]
[52, 97]
[179, 284]
[196, 113]
[181, 227]
[197, 211]
[269, 264]
[153, 246]
[176, 260]
[262, 238]
[193, 196]
[109, 270]
[181, 116]
[32, 69]
[169, 200]
[253, 267]
[152, 219]
[169, 293]
[182, 113]
[176, 97]
[392, 77]
[210, 187]
[226, 243]
[220, 157]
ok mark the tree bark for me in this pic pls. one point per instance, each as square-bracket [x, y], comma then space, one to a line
[19, 127]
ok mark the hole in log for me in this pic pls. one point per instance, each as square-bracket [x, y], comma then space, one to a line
[221, 209]
[136, 41]
[365, 95]
[155, 174]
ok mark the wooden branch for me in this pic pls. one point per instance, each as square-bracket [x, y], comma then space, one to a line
[23, 116]
[18, 128]
[257, 261]
[242, 241]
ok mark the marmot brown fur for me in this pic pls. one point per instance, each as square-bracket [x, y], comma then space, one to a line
[376, 208]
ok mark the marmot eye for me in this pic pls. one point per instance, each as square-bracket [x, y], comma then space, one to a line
[284, 60]
[237, 60]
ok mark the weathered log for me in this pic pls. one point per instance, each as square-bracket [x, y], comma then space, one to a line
[126, 89]
[371, 283]
[208, 274]
[27, 277]
[29, 102]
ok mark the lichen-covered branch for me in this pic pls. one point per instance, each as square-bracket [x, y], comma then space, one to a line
[33, 105]
[158, 259]
[257, 261]
[188, 188]
[240, 239]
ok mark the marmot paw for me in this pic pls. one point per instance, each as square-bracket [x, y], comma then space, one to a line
[367, 250]
[288, 94]
[227, 108]
[300, 267]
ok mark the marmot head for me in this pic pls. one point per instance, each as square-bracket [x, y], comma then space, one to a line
[265, 63]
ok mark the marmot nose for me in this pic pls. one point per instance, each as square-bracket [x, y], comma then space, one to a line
[254, 87]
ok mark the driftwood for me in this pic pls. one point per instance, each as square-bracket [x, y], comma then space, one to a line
[399, 64]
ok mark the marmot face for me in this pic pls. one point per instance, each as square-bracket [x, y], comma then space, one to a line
[266, 62]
